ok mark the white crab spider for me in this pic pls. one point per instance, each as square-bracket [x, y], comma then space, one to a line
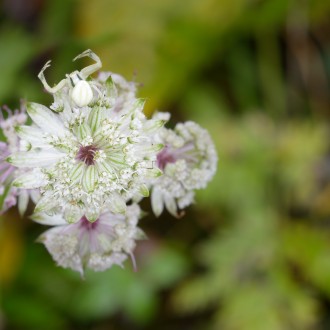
[81, 93]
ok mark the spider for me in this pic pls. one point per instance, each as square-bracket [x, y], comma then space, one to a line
[81, 93]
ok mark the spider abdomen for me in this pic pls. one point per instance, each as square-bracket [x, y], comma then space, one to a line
[82, 93]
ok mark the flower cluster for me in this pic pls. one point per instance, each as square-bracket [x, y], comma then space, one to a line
[188, 161]
[90, 157]
[10, 195]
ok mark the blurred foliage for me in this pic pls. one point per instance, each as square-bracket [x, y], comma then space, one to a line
[254, 251]
[249, 265]
[93, 298]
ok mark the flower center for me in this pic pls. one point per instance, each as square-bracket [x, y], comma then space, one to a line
[86, 154]
[165, 157]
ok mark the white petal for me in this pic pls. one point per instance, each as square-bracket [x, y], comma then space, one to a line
[154, 172]
[117, 204]
[153, 125]
[151, 150]
[77, 172]
[73, 214]
[23, 200]
[31, 180]
[171, 205]
[63, 248]
[105, 167]
[90, 178]
[50, 220]
[94, 119]
[46, 119]
[30, 133]
[157, 202]
[92, 214]
[83, 131]
[35, 195]
[34, 158]
[144, 191]
[46, 203]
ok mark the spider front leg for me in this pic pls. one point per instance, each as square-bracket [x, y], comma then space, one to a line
[86, 72]
[42, 78]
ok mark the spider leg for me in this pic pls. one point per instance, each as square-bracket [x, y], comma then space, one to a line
[93, 85]
[42, 78]
[86, 72]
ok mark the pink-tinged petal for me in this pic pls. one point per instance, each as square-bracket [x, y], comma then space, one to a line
[63, 248]
[6, 173]
[99, 245]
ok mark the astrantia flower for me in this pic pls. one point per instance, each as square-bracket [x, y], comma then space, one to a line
[188, 162]
[99, 245]
[8, 193]
[95, 153]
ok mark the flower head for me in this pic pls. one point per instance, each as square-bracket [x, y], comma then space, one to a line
[188, 161]
[91, 158]
[89, 155]
[8, 193]
[98, 245]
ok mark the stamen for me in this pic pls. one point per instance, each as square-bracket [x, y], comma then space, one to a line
[87, 154]
[165, 157]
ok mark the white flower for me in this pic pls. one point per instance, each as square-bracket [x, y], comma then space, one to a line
[8, 125]
[98, 245]
[8, 193]
[188, 160]
[85, 159]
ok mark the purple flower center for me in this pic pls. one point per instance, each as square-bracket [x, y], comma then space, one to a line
[165, 157]
[87, 225]
[170, 155]
[86, 154]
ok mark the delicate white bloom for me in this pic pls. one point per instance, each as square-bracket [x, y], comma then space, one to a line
[8, 125]
[88, 158]
[99, 245]
[188, 160]
[88, 155]
[8, 193]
